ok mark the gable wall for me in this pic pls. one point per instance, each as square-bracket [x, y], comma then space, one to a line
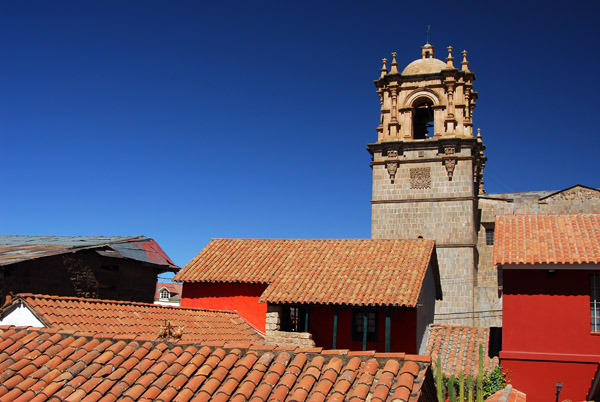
[82, 274]
[241, 297]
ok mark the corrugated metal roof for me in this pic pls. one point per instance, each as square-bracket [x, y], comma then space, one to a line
[14, 249]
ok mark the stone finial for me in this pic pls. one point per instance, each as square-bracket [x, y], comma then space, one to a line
[479, 133]
[427, 51]
[465, 63]
[394, 64]
[449, 59]
[384, 69]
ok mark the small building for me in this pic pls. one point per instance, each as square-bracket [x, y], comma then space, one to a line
[115, 268]
[458, 349]
[550, 275]
[112, 318]
[44, 364]
[168, 294]
[369, 294]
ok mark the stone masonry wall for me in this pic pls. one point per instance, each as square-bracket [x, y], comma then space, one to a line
[423, 201]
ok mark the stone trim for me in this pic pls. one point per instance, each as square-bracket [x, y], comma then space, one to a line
[441, 245]
[443, 199]
[423, 160]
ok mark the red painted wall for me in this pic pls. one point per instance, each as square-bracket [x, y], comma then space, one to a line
[538, 379]
[403, 330]
[546, 335]
[242, 297]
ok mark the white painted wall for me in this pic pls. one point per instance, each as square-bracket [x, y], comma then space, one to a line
[21, 316]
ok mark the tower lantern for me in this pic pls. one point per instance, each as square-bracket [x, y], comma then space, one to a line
[428, 169]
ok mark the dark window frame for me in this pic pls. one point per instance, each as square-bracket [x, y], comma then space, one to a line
[372, 325]
[293, 318]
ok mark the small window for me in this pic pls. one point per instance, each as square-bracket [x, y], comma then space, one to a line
[489, 236]
[293, 319]
[165, 294]
[357, 325]
[595, 301]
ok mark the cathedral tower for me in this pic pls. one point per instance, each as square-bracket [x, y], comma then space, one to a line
[428, 170]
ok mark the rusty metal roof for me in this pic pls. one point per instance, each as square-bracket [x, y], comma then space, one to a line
[15, 249]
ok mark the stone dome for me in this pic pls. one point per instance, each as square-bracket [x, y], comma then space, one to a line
[424, 66]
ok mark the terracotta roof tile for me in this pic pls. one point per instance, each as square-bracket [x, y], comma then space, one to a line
[199, 372]
[547, 239]
[123, 319]
[330, 271]
[508, 394]
[458, 348]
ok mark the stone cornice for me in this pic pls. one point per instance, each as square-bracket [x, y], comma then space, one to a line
[433, 199]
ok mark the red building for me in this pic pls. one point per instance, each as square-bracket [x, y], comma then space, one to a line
[550, 266]
[375, 294]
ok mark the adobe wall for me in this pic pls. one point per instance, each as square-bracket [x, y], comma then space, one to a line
[82, 274]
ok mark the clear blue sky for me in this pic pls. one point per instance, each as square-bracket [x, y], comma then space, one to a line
[186, 121]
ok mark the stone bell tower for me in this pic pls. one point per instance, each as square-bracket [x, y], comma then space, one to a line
[428, 170]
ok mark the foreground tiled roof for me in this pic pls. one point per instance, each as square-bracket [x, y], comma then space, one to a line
[508, 394]
[41, 364]
[458, 348]
[15, 249]
[547, 239]
[131, 318]
[336, 271]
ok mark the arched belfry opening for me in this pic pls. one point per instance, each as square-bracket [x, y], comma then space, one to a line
[423, 119]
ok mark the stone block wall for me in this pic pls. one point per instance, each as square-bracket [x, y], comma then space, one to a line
[283, 338]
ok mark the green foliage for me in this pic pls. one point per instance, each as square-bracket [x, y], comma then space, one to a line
[479, 392]
[461, 387]
[469, 389]
[477, 388]
[452, 389]
[494, 381]
[439, 381]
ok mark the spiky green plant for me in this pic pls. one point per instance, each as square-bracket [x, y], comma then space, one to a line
[461, 387]
[479, 392]
[439, 381]
[469, 389]
[451, 389]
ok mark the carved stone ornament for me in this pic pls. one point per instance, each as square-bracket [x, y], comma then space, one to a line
[449, 150]
[420, 178]
[392, 168]
[392, 163]
[450, 164]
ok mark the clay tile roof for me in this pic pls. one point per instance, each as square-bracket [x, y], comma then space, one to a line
[547, 239]
[458, 348]
[131, 318]
[508, 394]
[83, 367]
[324, 271]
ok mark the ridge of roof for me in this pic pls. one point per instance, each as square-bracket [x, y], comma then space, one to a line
[325, 271]
[552, 238]
[67, 241]
[108, 301]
